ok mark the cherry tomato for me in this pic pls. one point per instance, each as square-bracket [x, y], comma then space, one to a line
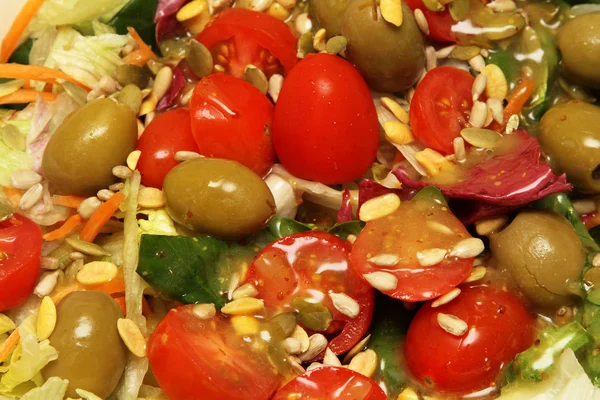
[440, 23]
[331, 383]
[440, 106]
[499, 327]
[166, 135]
[194, 358]
[313, 265]
[232, 119]
[416, 226]
[238, 37]
[325, 126]
[20, 249]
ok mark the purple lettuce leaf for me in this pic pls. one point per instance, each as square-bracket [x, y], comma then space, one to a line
[345, 212]
[166, 23]
[175, 89]
[368, 189]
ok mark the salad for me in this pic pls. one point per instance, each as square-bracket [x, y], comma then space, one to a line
[300, 200]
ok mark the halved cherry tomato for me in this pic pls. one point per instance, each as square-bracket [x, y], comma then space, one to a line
[232, 119]
[417, 225]
[166, 135]
[238, 37]
[499, 327]
[440, 23]
[331, 383]
[20, 249]
[313, 265]
[194, 358]
[440, 106]
[325, 125]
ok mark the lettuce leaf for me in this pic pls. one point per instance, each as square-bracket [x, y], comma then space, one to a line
[73, 12]
[53, 389]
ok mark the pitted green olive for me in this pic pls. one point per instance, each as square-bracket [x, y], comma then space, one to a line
[218, 197]
[579, 44]
[84, 149]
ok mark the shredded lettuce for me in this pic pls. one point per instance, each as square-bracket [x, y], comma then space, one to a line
[11, 160]
[85, 395]
[73, 12]
[53, 389]
[6, 324]
[158, 223]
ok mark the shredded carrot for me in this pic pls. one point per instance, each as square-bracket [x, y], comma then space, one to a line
[13, 195]
[101, 217]
[8, 346]
[516, 100]
[67, 201]
[113, 286]
[18, 27]
[63, 291]
[121, 302]
[141, 56]
[146, 310]
[36, 73]
[398, 157]
[593, 221]
[71, 223]
[24, 96]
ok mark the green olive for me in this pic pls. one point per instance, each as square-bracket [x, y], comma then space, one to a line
[329, 14]
[84, 149]
[569, 135]
[91, 354]
[579, 44]
[542, 252]
[390, 58]
[218, 197]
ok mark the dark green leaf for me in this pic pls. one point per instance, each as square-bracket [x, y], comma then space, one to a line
[282, 227]
[344, 229]
[314, 316]
[431, 193]
[138, 14]
[21, 54]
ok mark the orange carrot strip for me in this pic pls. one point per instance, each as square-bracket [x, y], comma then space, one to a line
[8, 346]
[113, 286]
[63, 291]
[71, 223]
[143, 54]
[13, 195]
[36, 73]
[146, 310]
[121, 302]
[516, 100]
[19, 25]
[593, 221]
[26, 96]
[67, 201]
[101, 217]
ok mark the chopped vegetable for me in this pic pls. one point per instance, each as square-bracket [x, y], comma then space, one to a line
[66, 228]
[142, 55]
[26, 96]
[100, 217]
[35, 72]
[18, 27]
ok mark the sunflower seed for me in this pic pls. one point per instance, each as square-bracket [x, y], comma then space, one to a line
[491, 225]
[439, 227]
[316, 344]
[187, 97]
[512, 124]
[49, 263]
[105, 194]
[467, 248]
[314, 366]
[383, 281]
[46, 319]
[478, 114]
[452, 324]
[275, 84]
[596, 260]
[421, 21]
[395, 108]
[446, 298]
[477, 63]
[331, 359]
[204, 311]
[243, 306]
[234, 282]
[364, 363]
[445, 52]
[430, 257]
[379, 207]
[246, 290]
[88, 207]
[460, 153]
[358, 347]
[31, 196]
[479, 137]
[385, 260]
[296, 365]
[391, 11]
[24, 179]
[132, 336]
[116, 187]
[476, 274]
[319, 40]
[183, 155]
[345, 304]
[300, 335]
[479, 86]
[256, 78]
[76, 255]
[292, 345]
[122, 172]
[352, 238]
[46, 284]
[431, 58]
[96, 273]
[496, 108]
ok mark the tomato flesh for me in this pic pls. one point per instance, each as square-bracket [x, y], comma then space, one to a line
[440, 23]
[166, 135]
[331, 383]
[500, 327]
[415, 226]
[312, 265]
[440, 107]
[196, 358]
[20, 250]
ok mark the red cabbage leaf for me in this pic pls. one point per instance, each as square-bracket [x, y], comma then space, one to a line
[345, 212]
[175, 89]
[166, 23]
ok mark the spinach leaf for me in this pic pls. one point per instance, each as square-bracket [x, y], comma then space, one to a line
[21, 54]
[138, 14]
[282, 227]
[431, 193]
[342, 230]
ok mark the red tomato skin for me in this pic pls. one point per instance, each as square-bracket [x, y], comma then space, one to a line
[324, 383]
[256, 27]
[425, 120]
[500, 327]
[231, 119]
[325, 126]
[184, 373]
[21, 242]
[440, 23]
[166, 135]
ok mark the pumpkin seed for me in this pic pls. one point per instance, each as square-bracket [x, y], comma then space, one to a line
[282, 325]
[483, 138]
[433, 5]
[243, 306]
[96, 273]
[198, 58]
[464, 53]
[204, 311]
[14, 139]
[336, 45]
[459, 9]
[46, 319]
[256, 78]
[128, 74]
[131, 95]
[132, 336]
[305, 44]
[391, 11]
[312, 315]
[88, 248]
[592, 276]
[77, 93]
[504, 25]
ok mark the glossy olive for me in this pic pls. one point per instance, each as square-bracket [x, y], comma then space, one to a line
[542, 251]
[329, 14]
[218, 197]
[579, 44]
[569, 135]
[390, 58]
[91, 354]
[82, 152]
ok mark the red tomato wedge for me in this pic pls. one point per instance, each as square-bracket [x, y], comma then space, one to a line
[440, 23]
[166, 135]
[231, 119]
[313, 265]
[20, 249]
[499, 327]
[238, 37]
[331, 383]
[417, 225]
[440, 107]
[194, 358]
